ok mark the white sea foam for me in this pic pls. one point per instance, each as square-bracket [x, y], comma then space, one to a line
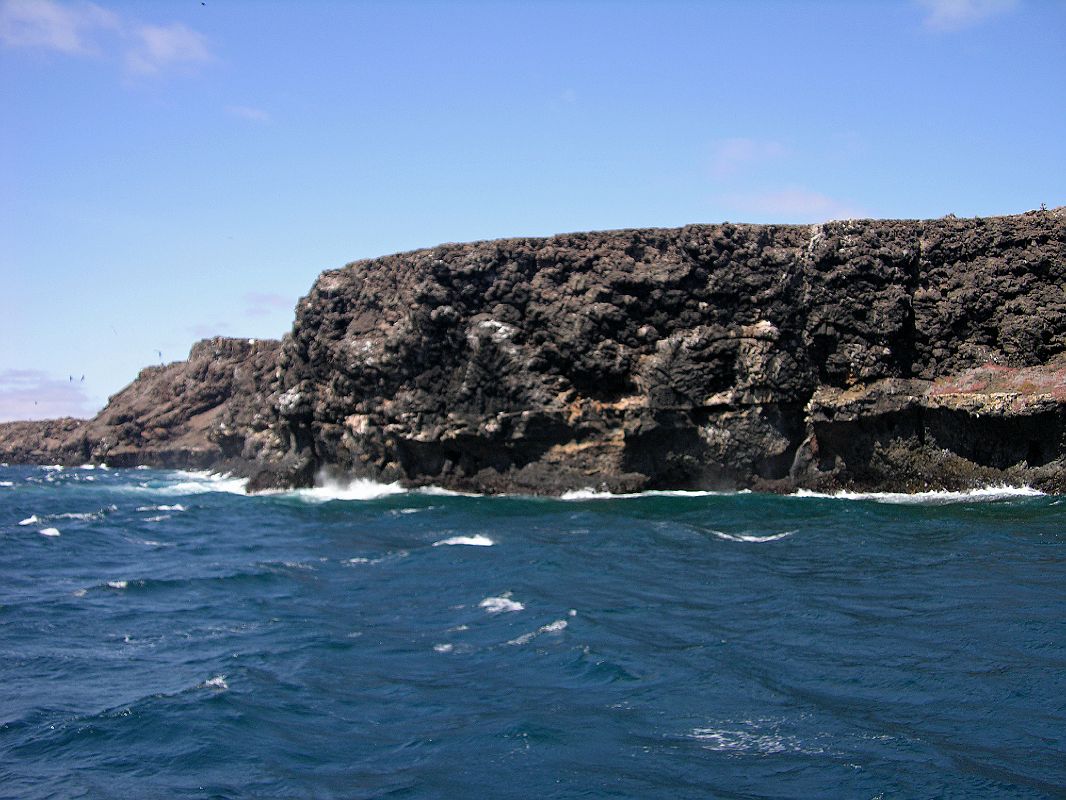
[157, 518]
[443, 648]
[749, 537]
[48, 532]
[752, 736]
[118, 584]
[31, 520]
[357, 489]
[80, 592]
[987, 494]
[218, 682]
[440, 491]
[498, 605]
[477, 540]
[79, 515]
[142, 466]
[202, 483]
[53, 467]
[6, 484]
[551, 627]
[175, 507]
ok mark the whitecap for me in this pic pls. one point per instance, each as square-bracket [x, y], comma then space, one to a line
[985, 494]
[80, 592]
[551, 627]
[499, 605]
[748, 537]
[357, 489]
[218, 682]
[157, 518]
[6, 484]
[142, 466]
[202, 483]
[31, 520]
[53, 467]
[477, 540]
[49, 532]
[440, 491]
[751, 736]
[175, 507]
[443, 648]
[118, 584]
[81, 515]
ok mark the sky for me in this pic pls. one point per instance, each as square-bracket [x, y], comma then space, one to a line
[176, 170]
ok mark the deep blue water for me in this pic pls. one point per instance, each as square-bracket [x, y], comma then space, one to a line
[179, 640]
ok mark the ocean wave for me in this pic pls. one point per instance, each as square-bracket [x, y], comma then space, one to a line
[749, 537]
[6, 484]
[477, 540]
[49, 532]
[760, 736]
[440, 491]
[552, 627]
[983, 495]
[175, 507]
[357, 489]
[392, 556]
[501, 604]
[30, 520]
[198, 483]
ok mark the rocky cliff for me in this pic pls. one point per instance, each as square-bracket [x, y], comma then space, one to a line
[863, 354]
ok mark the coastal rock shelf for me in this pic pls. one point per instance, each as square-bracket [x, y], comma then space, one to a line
[863, 354]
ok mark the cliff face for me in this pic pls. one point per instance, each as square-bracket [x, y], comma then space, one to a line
[864, 354]
[212, 410]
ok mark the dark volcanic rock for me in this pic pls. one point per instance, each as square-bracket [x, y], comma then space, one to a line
[212, 410]
[862, 354]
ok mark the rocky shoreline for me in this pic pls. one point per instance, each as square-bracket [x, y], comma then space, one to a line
[864, 354]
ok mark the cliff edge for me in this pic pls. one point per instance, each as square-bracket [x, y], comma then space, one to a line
[889, 355]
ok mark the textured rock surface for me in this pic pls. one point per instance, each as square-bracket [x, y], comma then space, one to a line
[863, 354]
[209, 411]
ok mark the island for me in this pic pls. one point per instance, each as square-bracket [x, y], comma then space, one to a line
[889, 355]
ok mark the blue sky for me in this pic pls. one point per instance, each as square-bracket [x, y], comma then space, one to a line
[174, 170]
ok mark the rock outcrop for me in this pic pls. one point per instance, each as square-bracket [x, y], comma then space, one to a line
[210, 411]
[897, 355]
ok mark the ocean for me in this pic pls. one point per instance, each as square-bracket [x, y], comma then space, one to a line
[162, 634]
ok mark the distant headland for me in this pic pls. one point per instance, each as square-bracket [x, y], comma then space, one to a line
[861, 354]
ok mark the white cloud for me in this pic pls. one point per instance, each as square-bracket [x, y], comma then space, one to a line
[71, 29]
[791, 204]
[950, 15]
[159, 46]
[249, 113]
[33, 394]
[732, 155]
[85, 29]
